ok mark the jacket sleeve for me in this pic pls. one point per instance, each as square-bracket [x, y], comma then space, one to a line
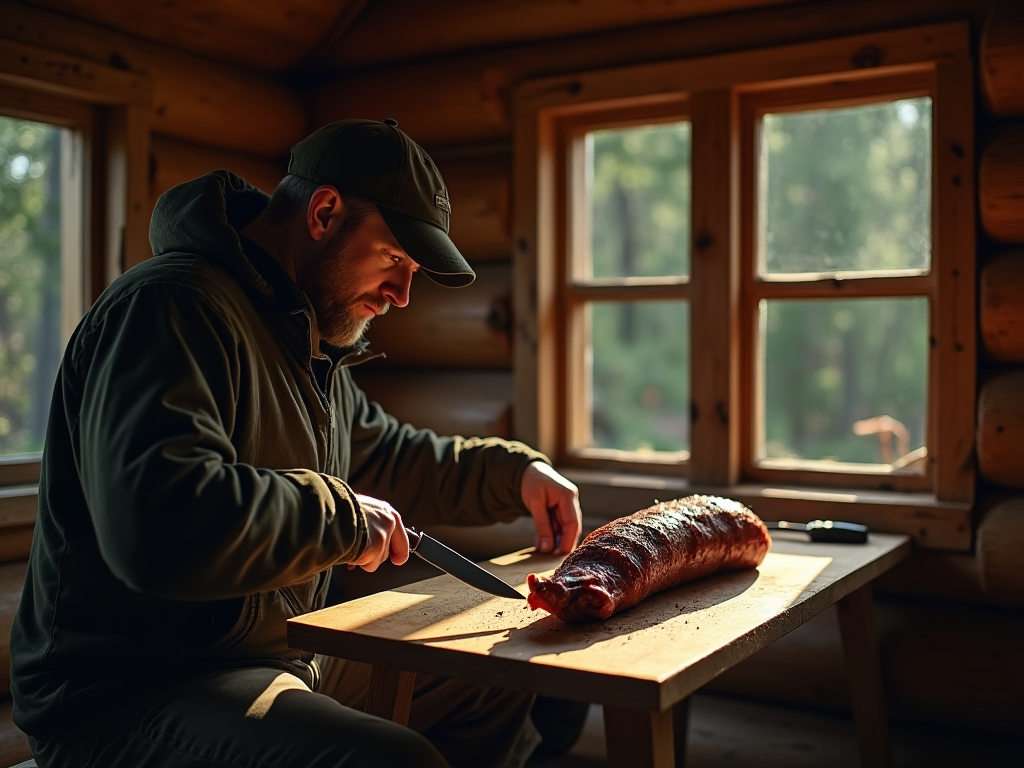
[433, 479]
[176, 514]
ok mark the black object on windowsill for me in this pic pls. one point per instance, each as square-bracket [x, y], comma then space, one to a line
[832, 531]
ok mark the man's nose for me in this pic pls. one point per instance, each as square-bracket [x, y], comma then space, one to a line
[396, 291]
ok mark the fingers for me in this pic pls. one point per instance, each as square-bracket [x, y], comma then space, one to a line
[570, 521]
[544, 541]
[554, 505]
[385, 534]
[399, 545]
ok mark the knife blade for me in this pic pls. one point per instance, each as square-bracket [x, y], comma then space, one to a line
[826, 530]
[462, 568]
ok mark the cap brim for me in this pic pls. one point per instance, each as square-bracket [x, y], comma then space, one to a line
[430, 247]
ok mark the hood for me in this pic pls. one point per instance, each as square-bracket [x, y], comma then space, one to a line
[203, 217]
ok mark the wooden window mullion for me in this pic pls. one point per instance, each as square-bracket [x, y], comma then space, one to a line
[714, 293]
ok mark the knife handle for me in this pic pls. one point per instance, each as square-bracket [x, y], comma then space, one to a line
[836, 531]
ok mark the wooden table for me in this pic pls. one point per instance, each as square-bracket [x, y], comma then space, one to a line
[641, 665]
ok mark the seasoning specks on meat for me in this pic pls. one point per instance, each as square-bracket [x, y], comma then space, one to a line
[623, 562]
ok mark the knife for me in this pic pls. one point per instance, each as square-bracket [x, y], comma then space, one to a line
[826, 530]
[463, 569]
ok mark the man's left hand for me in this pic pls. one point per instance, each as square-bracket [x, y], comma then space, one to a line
[554, 504]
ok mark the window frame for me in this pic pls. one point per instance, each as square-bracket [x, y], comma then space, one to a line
[575, 293]
[717, 89]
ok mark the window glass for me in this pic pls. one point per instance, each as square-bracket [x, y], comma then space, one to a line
[638, 202]
[30, 279]
[640, 375]
[845, 380]
[846, 189]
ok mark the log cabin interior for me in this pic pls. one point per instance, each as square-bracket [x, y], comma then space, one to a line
[564, 133]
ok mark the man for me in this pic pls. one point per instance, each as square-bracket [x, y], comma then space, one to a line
[209, 459]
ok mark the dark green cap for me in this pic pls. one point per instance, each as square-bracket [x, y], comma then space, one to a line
[377, 162]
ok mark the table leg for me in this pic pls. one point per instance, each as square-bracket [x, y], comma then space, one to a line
[390, 694]
[860, 646]
[637, 739]
[680, 730]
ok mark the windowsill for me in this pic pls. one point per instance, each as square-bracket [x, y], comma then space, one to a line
[932, 524]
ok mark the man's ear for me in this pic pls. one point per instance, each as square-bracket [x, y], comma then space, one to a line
[325, 210]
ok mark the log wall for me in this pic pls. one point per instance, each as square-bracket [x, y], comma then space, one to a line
[1000, 422]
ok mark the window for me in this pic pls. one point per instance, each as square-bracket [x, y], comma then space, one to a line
[41, 270]
[73, 214]
[836, 282]
[755, 273]
[625, 291]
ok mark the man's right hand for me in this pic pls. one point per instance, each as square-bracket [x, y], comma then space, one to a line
[386, 536]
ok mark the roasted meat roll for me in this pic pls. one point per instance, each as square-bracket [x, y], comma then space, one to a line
[623, 562]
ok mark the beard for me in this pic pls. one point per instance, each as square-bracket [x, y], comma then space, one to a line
[337, 304]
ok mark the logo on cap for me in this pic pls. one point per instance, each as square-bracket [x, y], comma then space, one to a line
[442, 202]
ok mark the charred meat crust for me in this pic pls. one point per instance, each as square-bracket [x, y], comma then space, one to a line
[625, 561]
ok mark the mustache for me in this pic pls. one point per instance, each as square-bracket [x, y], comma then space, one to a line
[380, 305]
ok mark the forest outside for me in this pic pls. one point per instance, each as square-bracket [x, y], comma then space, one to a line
[841, 193]
[30, 280]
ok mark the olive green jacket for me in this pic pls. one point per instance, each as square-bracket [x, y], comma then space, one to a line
[200, 467]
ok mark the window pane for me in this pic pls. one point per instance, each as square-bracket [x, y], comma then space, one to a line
[845, 380]
[639, 201]
[30, 280]
[846, 189]
[640, 355]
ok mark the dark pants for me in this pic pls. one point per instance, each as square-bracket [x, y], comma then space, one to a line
[262, 717]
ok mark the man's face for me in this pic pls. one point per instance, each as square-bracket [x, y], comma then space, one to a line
[360, 273]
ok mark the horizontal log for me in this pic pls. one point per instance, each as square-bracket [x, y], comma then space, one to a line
[1001, 300]
[1001, 185]
[19, 470]
[18, 505]
[1002, 59]
[468, 403]
[937, 575]
[1000, 548]
[463, 24]
[268, 37]
[942, 663]
[1000, 439]
[15, 542]
[437, 103]
[444, 328]
[463, 98]
[13, 743]
[479, 187]
[12, 579]
[192, 98]
[174, 162]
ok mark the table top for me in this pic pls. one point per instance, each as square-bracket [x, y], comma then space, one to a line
[647, 657]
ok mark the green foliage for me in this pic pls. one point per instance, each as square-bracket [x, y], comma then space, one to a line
[640, 201]
[29, 279]
[829, 364]
[640, 227]
[641, 365]
[847, 189]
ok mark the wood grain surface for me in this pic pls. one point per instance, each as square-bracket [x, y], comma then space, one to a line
[648, 657]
